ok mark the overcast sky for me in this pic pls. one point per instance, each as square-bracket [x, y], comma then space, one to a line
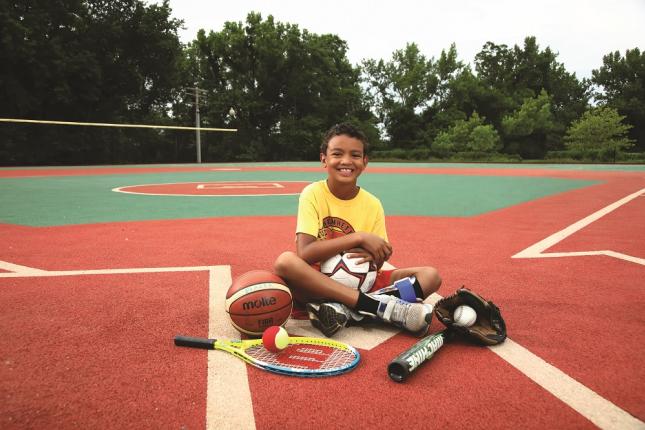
[580, 31]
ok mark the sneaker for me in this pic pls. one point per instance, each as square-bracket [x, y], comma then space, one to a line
[328, 317]
[414, 317]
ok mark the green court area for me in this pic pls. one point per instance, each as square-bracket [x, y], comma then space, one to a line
[66, 200]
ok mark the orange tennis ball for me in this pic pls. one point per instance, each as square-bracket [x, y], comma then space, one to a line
[275, 338]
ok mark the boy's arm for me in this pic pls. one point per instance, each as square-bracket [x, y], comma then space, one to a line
[314, 251]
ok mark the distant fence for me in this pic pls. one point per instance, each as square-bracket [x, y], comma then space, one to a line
[37, 142]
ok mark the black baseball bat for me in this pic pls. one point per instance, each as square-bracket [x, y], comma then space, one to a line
[403, 365]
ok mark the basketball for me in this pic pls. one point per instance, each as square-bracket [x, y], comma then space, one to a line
[257, 300]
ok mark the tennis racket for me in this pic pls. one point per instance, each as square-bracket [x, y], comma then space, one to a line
[303, 356]
[407, 362]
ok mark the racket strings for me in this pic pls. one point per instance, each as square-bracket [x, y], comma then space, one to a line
[308, 357]
[339, 359]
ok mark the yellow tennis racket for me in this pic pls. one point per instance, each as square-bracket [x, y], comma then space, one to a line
[303, 356]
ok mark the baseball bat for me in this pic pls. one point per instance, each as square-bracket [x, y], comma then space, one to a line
[406, 362]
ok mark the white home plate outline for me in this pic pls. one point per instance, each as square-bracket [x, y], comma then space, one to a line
[232, 386]
[243, 185]
[207, 185]
[537, 250]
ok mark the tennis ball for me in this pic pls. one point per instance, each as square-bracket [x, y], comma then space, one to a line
[275, 338]
[464, 316]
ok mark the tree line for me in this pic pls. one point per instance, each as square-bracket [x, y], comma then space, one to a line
[282, 86]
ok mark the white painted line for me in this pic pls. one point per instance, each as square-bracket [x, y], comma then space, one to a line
[228, 396]
[238, 185]
[607, 253]
[568, 254]
[124, 191]
[636, 260]
[537, 250]
[227, 380]
[46, 273]
[18, 269]
[210, 195]
[583, 400]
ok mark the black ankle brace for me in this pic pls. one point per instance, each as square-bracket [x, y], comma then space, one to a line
[366, 304]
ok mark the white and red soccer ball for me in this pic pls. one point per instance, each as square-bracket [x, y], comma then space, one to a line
[348, 272]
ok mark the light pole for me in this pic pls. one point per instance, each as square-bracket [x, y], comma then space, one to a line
[197, 122]
[196, 92]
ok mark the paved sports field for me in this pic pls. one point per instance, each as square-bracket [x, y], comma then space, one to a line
[100, 267]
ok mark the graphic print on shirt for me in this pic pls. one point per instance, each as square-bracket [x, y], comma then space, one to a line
[333, 227]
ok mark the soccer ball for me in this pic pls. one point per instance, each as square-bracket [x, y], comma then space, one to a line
[345, 270]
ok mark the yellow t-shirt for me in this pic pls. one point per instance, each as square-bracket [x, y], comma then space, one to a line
[325, 216]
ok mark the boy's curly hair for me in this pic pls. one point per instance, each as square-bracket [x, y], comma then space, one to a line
[347, 129]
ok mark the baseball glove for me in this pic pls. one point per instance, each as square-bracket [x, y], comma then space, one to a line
[488, 329]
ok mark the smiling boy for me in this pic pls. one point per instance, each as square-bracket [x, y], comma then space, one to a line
[336, 215]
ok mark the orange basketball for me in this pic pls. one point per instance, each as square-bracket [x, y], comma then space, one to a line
[257, 300]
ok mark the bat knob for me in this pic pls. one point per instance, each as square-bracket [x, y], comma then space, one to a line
[397, 371]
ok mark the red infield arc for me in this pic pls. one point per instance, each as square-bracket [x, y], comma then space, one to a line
[92, 347]
[219, 188]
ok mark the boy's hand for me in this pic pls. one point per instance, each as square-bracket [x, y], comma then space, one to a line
[376, 246]
[360, 254]
[363, 256]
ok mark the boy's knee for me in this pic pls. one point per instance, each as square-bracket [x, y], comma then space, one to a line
[429, 279]
[284, 262]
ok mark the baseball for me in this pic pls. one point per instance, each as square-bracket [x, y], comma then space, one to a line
[275, 338]
[464, 316]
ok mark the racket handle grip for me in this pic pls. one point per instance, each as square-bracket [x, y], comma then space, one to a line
[195, 342]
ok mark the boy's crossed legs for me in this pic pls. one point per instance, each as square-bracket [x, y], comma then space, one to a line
[331, 305]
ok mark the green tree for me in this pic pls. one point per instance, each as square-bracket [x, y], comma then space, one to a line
[599, 133]
[528, 130]
[520, 73]
[85, 60]
[465, 94]
[286, 85]
[400, 90]
[471, 135]
[484, 138]
[622, 86]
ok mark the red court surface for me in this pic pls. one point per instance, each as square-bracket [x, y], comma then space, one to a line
[89, 343]
[99, 360]
[609, 231]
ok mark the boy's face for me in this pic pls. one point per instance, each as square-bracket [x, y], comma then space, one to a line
[345, 159]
